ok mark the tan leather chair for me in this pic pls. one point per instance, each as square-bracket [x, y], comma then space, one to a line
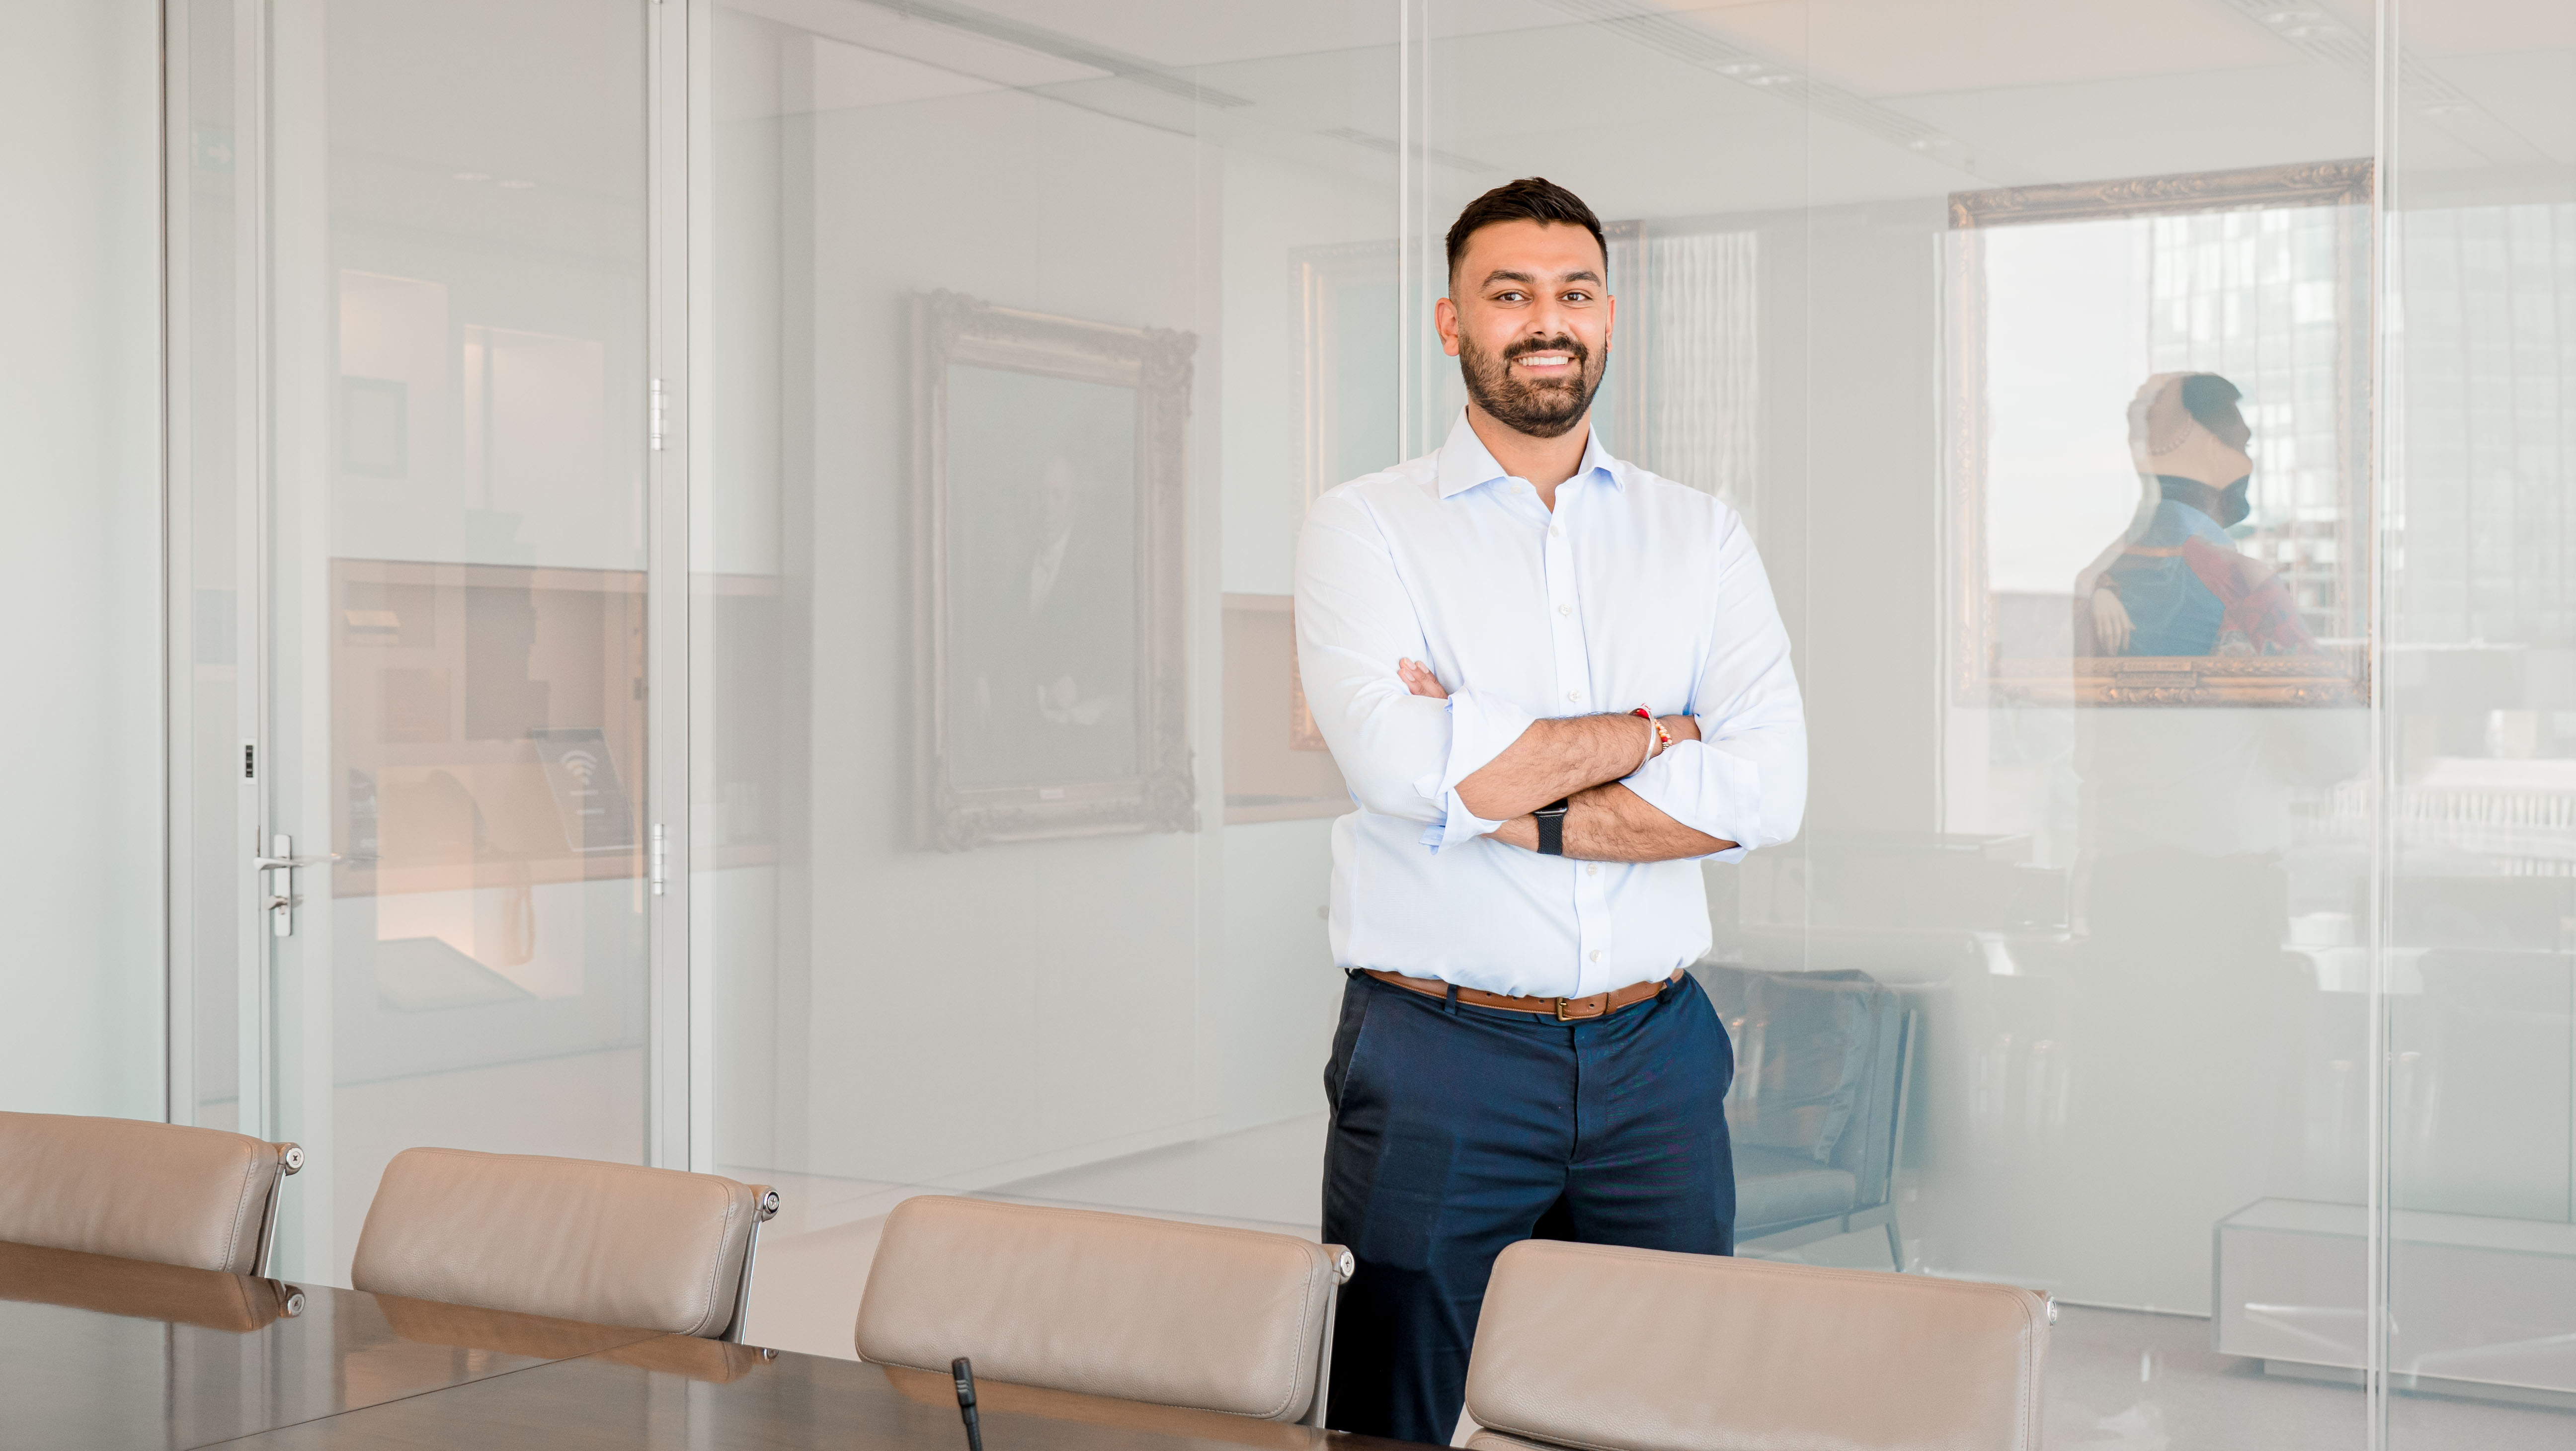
[612, 1244]
[1639, 1350]
[1188, 1315]
[201, 1198]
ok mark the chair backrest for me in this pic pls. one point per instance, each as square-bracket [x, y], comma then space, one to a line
[1641, 1350]
[574, 1239]
[201, 1198]
[1818, 1057]
[1155, 1310]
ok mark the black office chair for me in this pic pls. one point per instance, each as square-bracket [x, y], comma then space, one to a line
[1817, 1110]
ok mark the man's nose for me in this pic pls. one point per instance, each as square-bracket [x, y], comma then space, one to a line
[1549, 320]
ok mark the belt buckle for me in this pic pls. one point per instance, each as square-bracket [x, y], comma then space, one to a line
[1563, 1016]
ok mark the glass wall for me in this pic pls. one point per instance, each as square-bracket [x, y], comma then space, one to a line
[1031, 332]
[80, 873]
[2478, 725]
[466, 274]
[408, 487]
[2205, 832]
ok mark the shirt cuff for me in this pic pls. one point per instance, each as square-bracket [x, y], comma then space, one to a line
[1480, 728]
[1705, 790]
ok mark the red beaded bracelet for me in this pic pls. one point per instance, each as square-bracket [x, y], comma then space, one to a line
[1663, 737]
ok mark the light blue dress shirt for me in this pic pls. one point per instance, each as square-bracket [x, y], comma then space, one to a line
[1636, 591]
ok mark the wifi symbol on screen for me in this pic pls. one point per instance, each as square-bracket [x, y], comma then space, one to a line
[582, 764]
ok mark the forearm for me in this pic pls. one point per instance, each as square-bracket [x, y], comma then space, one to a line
[1610, 823]
[1553, 760]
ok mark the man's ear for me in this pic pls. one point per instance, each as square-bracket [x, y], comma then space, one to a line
[1444, 315]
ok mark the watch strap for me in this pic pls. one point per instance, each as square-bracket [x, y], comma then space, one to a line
[1551, 827]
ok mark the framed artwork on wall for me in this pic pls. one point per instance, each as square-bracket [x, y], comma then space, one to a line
[1347, 302]
[1049, 460]
[2159, 406]
[1277, 767]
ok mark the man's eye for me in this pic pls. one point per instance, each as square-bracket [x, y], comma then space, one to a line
[1578, 297]
[1507, 297]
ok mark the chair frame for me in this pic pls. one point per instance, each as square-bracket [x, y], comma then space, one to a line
[764, 1201]
[290, 1158]
[1342, 1269]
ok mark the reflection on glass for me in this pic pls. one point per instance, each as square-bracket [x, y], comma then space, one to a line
[489, 726]
[456, 643]
[2175, 583]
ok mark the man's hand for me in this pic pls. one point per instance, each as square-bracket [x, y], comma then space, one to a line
[1610, 823]
[1417, 677]
[2110, 623]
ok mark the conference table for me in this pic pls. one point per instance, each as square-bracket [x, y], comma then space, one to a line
[104, 1352]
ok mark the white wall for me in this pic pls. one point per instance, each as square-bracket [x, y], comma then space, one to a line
[80, 479]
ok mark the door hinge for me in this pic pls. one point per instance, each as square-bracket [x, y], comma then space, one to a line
[657, 863]
[653, 425]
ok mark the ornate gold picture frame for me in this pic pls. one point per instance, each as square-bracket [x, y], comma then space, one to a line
[2031, 647]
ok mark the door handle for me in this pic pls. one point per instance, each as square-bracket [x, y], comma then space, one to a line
[280, 905]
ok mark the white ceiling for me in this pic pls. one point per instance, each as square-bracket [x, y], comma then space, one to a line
[2028, 90]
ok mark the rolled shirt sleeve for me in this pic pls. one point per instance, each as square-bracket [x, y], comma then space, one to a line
[1480, 728]
[1402, 755]
[1745, 779]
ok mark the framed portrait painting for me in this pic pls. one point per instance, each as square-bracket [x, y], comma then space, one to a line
[1049, 558]
[2159, 439]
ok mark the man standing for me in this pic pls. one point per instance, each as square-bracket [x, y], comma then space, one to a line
[1519, 1051]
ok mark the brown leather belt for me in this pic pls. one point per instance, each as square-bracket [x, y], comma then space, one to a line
[1564, 1010]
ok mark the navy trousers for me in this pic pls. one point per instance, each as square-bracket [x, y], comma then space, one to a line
[1458, 1130]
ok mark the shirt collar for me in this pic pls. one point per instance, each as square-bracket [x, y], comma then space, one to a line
[1465, 462]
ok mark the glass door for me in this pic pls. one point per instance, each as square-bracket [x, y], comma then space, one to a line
[435, 733]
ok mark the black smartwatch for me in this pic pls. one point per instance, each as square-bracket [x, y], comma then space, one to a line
[1551, 828]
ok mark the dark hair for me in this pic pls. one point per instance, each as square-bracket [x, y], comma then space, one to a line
[1530, 199]
[2207, 397]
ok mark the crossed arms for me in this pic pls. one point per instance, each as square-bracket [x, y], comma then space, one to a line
[1581, 760]
[1474, 760]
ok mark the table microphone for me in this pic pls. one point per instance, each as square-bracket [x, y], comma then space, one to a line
[964, 1370]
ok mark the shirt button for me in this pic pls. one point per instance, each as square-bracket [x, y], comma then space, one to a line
[1572, 696]
[1553, 531]
[1596, 954]
[1593, 870]
[1565, 609]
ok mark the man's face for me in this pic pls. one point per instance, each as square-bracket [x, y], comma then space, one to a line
[1528, 320]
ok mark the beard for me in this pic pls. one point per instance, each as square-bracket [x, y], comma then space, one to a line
[1524, 404]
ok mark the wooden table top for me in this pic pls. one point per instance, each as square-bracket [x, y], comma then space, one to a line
[106, 1352]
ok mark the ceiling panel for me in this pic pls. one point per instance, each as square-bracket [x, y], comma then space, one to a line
[2531, 92]
[1902, 47]
[2156, 125]
[1184, 33]
[2473, 27]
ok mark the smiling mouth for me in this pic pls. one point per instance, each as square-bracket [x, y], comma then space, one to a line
[1545, 362]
